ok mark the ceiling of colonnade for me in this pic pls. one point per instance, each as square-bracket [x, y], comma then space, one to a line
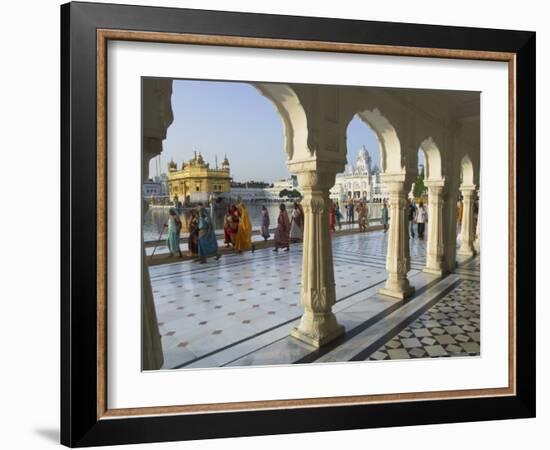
[250, 121]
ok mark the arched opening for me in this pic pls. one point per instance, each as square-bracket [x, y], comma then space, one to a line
[467, 208]
[217, 127]
[418, 189]
[432, 159]
[360, 183]
[385, 202]
[428, 191]
[276, 290]
[291, 113]
[229, 141]
[389, 145]
[466, 171]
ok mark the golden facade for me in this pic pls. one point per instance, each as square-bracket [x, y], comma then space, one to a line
[196, 177]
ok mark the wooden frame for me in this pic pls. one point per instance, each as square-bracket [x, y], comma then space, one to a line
[86, 418]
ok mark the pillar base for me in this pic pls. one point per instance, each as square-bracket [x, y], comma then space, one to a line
[401, 294]
[318, 330]
[432, 271]
[466, 252]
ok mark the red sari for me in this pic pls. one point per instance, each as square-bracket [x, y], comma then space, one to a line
[231, 225]
[282, 233]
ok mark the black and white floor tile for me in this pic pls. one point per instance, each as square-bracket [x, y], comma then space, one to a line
[450, 328]
[245, 301]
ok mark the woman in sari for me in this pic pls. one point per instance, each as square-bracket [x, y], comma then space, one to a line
[361, 217]
[243, 239]
[193, 241]
[227, 222]
[231, 225]
[265, 223]
[208, 245]
[174, 228]
[282, 233]
[297, 223]
[338, 215]
[332, 217]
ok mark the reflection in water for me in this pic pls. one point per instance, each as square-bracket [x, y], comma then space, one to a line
[155, 218]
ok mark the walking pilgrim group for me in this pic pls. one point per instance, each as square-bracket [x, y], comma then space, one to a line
[202, 240]
[336, 216]
[237, 230]
[237, 227]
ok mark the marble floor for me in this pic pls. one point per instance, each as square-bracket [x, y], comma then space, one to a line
[240, 310]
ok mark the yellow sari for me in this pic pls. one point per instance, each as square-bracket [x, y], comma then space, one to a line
[243, 240]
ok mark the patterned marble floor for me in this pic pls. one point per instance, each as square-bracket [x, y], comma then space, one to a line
[240, 310]
[450, 328]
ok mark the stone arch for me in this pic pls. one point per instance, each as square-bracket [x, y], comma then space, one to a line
[390, 146]
[432, 157]
[291, 112]
[467, 171]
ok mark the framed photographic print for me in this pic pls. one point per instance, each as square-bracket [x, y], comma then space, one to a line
[276, 224]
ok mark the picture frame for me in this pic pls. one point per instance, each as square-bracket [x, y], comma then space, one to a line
[86, 418]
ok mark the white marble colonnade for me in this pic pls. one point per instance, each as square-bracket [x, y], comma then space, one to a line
[315, 120]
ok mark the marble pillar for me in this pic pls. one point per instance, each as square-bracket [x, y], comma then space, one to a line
[152, 355]
[318, 325]
[435, 245]
[151, 346]
[157, 117]
[467, 231]
[476, 240]
[398, 260]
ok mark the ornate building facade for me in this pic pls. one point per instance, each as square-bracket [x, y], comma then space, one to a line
[359, 181]
[196, 180]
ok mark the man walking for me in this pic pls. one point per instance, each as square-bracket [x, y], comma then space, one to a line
[421, 219]
[412, 217]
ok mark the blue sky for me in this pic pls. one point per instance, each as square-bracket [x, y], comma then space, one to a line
[234, 119]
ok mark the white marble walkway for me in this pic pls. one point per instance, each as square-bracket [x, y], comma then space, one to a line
[240, 310]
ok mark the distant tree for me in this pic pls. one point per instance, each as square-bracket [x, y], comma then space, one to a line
[295, 194]
[419, 187]
[284, 193]
[290, 194]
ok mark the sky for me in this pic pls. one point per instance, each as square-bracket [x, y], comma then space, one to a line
[234, 119]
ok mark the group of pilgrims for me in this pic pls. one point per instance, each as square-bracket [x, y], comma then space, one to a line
[336, 217]
[237, 230]
[202, 240]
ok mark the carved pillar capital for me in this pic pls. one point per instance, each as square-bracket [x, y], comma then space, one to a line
[467, 190]
[315, 180]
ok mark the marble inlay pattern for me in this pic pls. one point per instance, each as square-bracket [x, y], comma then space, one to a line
[210, 315]
[450, 328]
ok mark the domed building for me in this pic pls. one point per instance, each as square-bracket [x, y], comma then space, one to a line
[359, 181]
[196, 180]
